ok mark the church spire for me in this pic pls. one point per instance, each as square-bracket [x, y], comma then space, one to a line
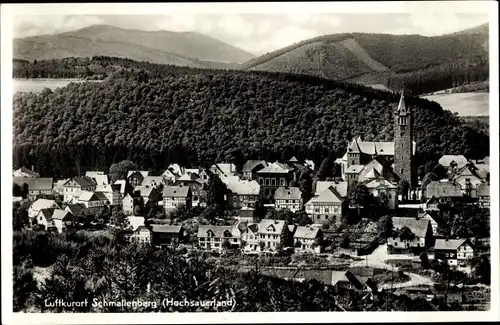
[402, 103]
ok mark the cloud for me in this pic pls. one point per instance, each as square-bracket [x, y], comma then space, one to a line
[235, 25]
[43, 24]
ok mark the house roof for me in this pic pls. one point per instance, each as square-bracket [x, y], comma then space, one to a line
[100, 196]
[144, 190]
[60, 214]
[269, 226]
[417, 226]
[374, 147]
[254, 227]
[226, 169]
[354, 169]
[287, 193]
[88, 196]
[448, 160]
[176, 191]
[42, 204]
[122, 183]
[35, 183]
[438, 189]
[218, 231]
[92, 173]
[341, 187]
[449, 244]
[380, 183]
[372, 174]
[83, 181]
[483, 189]
[47, 213]
[99, 179]
[339, 276]
[25, 172]
[76, 208]
[306, 232]
[166, 228]
[144, 173]
[328, 195]
[241, 187]
[251, 164]
[136, 222]
[275, 167]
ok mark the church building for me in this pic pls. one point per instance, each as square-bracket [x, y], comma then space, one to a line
[384, 162]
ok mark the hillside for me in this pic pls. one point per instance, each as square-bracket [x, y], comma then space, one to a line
[195, 116]
[186, 49]
[386, 59]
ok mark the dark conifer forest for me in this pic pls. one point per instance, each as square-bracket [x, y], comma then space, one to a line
[156, 115]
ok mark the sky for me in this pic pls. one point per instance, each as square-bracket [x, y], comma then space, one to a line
[259, 33]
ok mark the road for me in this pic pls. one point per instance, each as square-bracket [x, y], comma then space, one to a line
[377, 259]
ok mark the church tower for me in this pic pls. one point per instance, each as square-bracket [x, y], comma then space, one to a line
[403, 142]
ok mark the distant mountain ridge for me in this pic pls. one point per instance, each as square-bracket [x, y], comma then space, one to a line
[163, 47]
[386, 59]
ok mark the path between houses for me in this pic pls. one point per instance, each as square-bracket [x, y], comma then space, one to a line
[378, 259]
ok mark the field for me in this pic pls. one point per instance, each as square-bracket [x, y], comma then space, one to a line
[465, 104]
[36, 85]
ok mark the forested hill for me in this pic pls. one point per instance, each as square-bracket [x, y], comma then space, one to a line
[424, 64]
[179, 48]
[204, 117]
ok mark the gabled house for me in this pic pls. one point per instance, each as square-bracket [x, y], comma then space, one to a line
[166, 234]
[59, 219]
[44, 218]
[251, 167]
[93, 201]
[380, 186]
[242, 193]
[173, 172]
[443, 191]
[140, 233]
[58, 187]
[341, 187]
[40, 204]
[99, 177]
[36, 186]
[483, 195]
[214, 237]
[432, 204]
[73, 188]
[305, 237]
[325, 207]
[251, 236]
[148, 194]
[154, 181]
[198, 188]
[454, 251]
[128, 204]
[421, 228]
[273, 176]
[76, 208]
[288, 198]
[468, 179]
[223, 170]
[453, 163]
[112, 193]
[274, 234]
[135, 177]
[176, 196]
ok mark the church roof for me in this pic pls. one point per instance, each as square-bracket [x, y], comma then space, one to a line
[372, 174]
[375, 148]
[402, 103]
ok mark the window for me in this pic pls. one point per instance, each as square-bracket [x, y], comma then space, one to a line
[260, 181]
[401, 170]
[352, 162]
[282, 182]
[267, 181]
[326, 210]
[286, 201]
[316, 210]
[273, 181]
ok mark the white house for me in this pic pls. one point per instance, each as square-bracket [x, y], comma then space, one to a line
[304, 238]
[40, 204]
[243, 193]
[325, 207]
[455, 252]
[73, 188]
[420, 227]
[213, 237]
[128, 204]
[140, 233]
[251, 237]
[288, 198]
[223, 170]
[176, 196]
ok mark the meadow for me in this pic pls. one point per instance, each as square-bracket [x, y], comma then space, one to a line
[36, 85]
[465, 104]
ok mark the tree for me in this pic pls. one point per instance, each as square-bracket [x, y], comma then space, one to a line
[25, 190]
[226, 244]
[303, 219]
[403, 189]
[429, 177]
[385, 227]
[326, 167]
[25, 288]
[17, 190]
[360, 197]
[405, 234]
[20, 218]
[120, 225]
[305, 186]
[424, 260]
[482, 269]
[120, 170]
[440, 171]
[216, 192]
